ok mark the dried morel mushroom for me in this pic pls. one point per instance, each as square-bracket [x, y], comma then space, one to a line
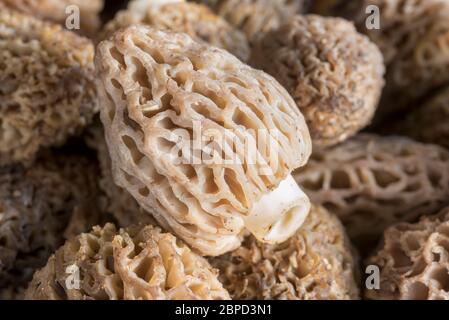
[316, 263]
[47, 89]
[413, 259]
[130, 264]
[59, 11]
[413, 37]
[255, 17]
[371, 182]
[200, 139]
[334, 73]
[115, 200]
[428, 123]
[39, 207]
[196, 20]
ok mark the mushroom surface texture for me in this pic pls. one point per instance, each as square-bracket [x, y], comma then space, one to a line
[371, 182]
[196, 20]
[256, 17]
[115, 200]
[136, 263]
[201, 140]
[63, 12]
[334, 73]
[316, 263]
[40, 207]
[414, 260]
[47, 89]
[413, 36]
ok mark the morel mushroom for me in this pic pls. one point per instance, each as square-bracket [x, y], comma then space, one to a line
[115, 200]
[59, 11]
[429, 122]
[316, 263]
[127, 264]
[413, 37]
[256, 17]
[196, 20]
[39, 208]
[200, 139]
[371, 182]
[47, 90]
[413, 261]
[334, 73]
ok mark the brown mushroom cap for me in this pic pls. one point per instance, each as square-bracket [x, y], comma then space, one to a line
[39, 208]
[413, 260]
[413, 38]
[334, 73]
[429, 122]
[47, 90]
[197, 20]
[56, 11]
[160, 92]
[371, 182]
[316, 263]
[129, 264]
[256, 17]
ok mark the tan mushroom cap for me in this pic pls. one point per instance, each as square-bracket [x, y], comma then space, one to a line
[41, 207]
[137, 263]
[316, 263]
[414, 261]
[371, 182]
[197, 20]
[198, 137]
[47, 90]
[58, 11]
[256, 17]
[334, 73]
[413, 38]
[115, 200]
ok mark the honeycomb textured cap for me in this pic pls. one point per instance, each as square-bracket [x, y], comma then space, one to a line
[115, 200]
[371, 182]
[429, 122]
[160, 91]
[129, 264]
[414, 40]
[47, 89]
[316, 263]
[55, 11]
[196, 20]
[41, 206]
[334, 73]
[256, 17]
[414, 260]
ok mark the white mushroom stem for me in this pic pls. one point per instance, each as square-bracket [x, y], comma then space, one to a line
[278, 214]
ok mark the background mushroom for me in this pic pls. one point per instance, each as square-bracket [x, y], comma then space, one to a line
[413, 261]
[372, 182]
[413, 37]
[137, 263]
[39, 208]
[334, 73]
[162, 93]
[428, 122]
[56, 11]
[256, 17]
[317, 263]
[196, 20]
[47, 90]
